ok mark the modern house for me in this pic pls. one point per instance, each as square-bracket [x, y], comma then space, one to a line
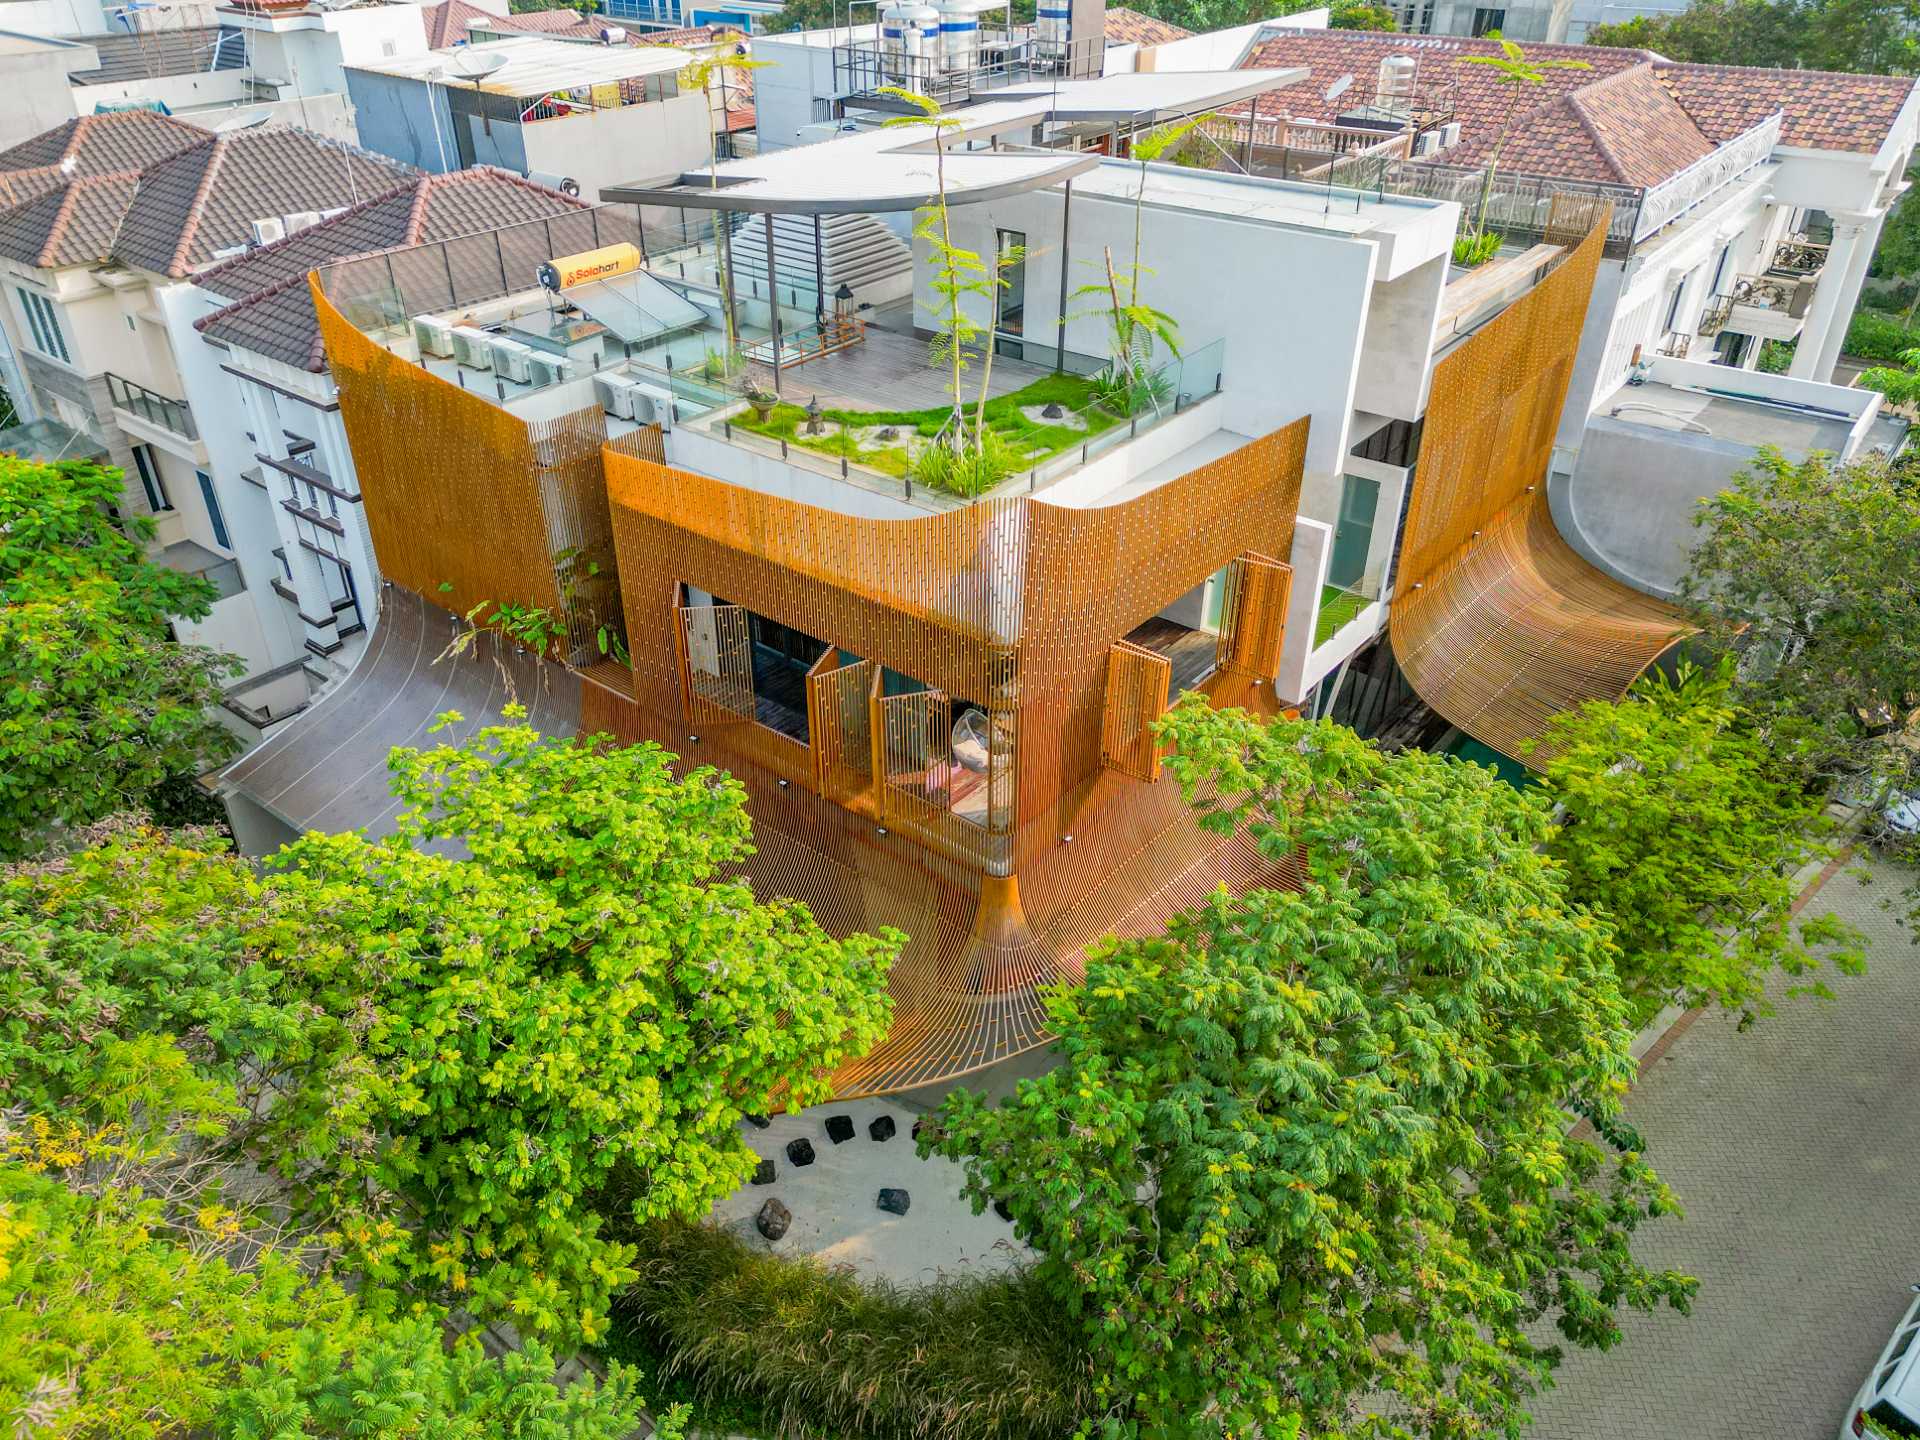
[941, 703]
[534, 105]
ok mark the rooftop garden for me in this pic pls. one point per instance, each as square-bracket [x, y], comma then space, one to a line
[1027, 426]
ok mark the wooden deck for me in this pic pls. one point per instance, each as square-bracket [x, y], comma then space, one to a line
[888, 371]
[1189, 652]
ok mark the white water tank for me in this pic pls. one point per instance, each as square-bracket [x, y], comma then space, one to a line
[1053, 25]
[1396, 82]
[959, 35]
[909, 35]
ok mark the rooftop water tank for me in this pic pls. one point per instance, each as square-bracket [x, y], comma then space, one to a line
[1397, 81]
[909, 37]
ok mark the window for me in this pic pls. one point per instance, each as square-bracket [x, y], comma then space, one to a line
[214, 517]
[43, 321]
[1488, 21]
[1889, 1419]
[1673, 302]
[148, 464]
[1013, 281]
[1720, 269]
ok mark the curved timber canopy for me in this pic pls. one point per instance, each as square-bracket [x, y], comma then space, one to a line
[1497, 623]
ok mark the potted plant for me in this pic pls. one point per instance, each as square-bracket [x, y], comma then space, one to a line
[762, 402]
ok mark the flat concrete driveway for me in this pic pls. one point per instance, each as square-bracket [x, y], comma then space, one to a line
[1795, 1149]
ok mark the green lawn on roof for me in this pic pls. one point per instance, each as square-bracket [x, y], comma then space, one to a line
[1032, 442]
[1337, 607]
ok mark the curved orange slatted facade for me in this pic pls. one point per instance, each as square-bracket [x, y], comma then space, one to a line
[1013, 604]
[1497, 623]
[1000, 866]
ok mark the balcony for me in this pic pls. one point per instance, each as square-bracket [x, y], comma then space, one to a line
[188, 558]
[1799, 257]
[151, 409]
[1770, 306]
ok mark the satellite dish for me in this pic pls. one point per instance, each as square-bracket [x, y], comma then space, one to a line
[1339, 87]
[475, 64]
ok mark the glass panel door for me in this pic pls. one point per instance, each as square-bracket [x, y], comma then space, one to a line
[1353, 535]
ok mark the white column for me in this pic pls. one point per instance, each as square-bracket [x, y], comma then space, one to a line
[309, 585]
[1850, 295]
[1829, 294]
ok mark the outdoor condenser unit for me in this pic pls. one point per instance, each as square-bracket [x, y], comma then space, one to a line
[472, 348]
[615, 395]
[512, 360]
[434, 337]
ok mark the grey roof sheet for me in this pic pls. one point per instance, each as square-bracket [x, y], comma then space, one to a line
[326, 769]
[207, 197]
[272, 313]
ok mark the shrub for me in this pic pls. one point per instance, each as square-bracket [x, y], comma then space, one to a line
[974, 471]
[1471, 248]
[1876, 335]
[821, 1352]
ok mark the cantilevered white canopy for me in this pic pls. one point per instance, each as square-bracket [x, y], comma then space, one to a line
[869, 171]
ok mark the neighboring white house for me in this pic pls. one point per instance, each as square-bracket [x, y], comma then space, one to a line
[552, 108]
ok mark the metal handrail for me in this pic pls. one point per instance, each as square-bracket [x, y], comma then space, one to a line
[151, 406]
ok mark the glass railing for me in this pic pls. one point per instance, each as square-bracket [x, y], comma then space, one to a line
[151, 406]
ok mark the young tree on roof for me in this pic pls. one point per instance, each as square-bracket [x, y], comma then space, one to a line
[1517, 74]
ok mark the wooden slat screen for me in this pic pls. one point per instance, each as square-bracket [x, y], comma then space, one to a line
[1137, 684]
[1253, 616]
[1497, 623]
[716, 658]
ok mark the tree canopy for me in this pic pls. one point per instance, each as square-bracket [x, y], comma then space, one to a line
[1874, 37]
[1311, 1145]
[99, 706]
[1684, 829]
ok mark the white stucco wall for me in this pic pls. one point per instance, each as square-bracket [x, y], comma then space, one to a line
[615, 147]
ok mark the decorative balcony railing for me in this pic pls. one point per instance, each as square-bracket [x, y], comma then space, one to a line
[1787, 296]
[1676, 347]
[1798, 257]
[1662, 204]
[152, 407]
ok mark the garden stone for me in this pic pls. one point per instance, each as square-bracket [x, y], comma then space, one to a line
[894, 1202]
[1003, 1210]
[773, 1220]
[839, 1128]
[759, 1122]
[882, 1128]
[764, 1172]
[800, 1152]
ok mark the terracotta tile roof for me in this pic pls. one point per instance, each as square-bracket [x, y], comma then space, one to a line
[73, 225]
[104, 144]
[1631, 118]
[207, 197]
[20, 185]
[449, 22]
[1624, 127]
[1820, 109]
[693, 36]
[272, 313]
[1132, 27]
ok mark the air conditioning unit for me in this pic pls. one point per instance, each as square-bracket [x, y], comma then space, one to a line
[653, 406]
[1427, 143]
[512, 360]
[434, 337]
[302, 220]
[472, 348]
[1449, 134]
[265, 232]
[615, 394]
[549, 369]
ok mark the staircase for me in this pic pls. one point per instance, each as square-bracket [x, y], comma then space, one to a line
[857, 251]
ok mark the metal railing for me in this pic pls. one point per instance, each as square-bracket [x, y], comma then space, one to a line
[1798, 257]
[1660, 205]
[151, 406]
[1517, 206]
[1004, 58]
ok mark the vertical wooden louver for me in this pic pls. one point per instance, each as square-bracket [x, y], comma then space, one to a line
[716, 663]
[1137, 684]
[1253, 616]
[840, 726]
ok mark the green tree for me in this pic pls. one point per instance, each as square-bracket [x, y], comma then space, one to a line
[1857, 36]
[1311, 1146]
[1683, 829]
[99, 707]
[114, 1320]
[1900, 384]
[583, 999]
[1809, 572]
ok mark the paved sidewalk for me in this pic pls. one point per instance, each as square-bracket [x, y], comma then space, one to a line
[1795, 1149]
